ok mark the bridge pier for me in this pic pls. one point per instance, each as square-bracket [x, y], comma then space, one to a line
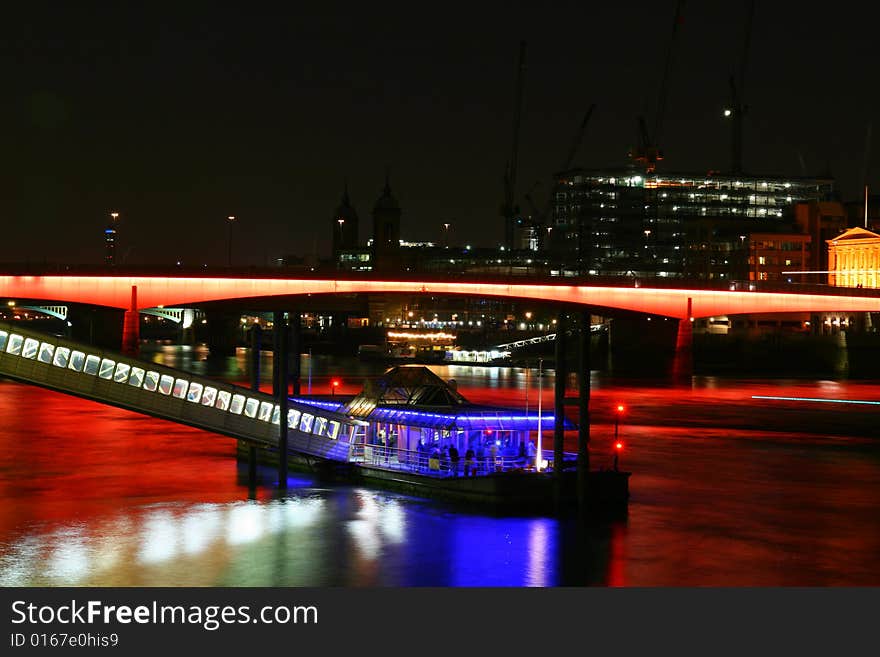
[559, 406]
[583, 454]
[222, 333]
[683, 361]
[280, 389]
[131, 327]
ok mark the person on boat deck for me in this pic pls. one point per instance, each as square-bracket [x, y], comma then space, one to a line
[469, 462]
[453, 460]
[493, 453]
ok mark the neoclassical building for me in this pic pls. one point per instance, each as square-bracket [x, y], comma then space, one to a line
[854, 259]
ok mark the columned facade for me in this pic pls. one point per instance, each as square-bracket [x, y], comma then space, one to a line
[854, 259]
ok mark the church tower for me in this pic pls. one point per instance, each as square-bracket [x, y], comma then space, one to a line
[386, 231]
[344, 226]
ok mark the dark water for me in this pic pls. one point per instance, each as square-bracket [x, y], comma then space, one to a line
[726, 490]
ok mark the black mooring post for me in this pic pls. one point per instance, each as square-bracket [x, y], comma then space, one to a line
[256, 340]
[558, 405]
[280, 389]
[583, 461]
[295, 350]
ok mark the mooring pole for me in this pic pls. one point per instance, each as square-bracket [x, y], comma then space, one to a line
[282, 374]
[558, 406]
[295, 349]
[256, 340]
[583, 460]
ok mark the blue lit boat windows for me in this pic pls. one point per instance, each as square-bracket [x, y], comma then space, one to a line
[30, 348]
[320, 426]
[166, 384]
[292, 418]
[151, 381]
[251, 407]
[137, 377]
[265, 411]
[237, 405]
[305, 423]
[3, 336]
[77, 360]
[106, 369]
[276, 414]
[179, 390]
[332, 429]
[223, 399]
[209, 396]
[194, 394]
[46, 351]
[91, 366]
[14, 345]
[121, 373]
[62, 357]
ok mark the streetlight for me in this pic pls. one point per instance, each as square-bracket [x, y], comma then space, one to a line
[341, 223]
[333, 385]
[446, 235]
[229, 221]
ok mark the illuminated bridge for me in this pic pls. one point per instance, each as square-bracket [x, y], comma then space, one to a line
[115, 291]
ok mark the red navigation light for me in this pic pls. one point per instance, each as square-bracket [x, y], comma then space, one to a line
[619, 446]
[620, 408]
[488, 432]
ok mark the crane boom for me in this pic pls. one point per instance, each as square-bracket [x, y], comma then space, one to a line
[579, 137]
[737, 94]
[509, 208]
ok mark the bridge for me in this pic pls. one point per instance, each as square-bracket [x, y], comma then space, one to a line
[674, 299]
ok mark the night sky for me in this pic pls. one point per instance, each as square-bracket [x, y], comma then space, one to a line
[177, 118]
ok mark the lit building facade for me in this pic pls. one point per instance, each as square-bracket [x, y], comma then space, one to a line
[774, 256]
[627, 222]
[854, 259]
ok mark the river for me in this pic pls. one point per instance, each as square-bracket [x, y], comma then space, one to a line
[727, 490]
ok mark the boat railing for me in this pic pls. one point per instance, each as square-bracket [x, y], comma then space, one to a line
[394, 458]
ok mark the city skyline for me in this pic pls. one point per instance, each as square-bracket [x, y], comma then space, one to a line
[195, 116]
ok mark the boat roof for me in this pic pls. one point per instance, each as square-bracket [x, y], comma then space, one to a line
[415, 396]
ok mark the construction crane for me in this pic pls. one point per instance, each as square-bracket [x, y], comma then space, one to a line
[647, 151]
[737, 109]
[540, 217]
[509, 210]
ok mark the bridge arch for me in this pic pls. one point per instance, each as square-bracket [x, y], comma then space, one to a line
[174, 291]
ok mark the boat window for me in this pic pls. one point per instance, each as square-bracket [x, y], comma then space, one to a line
[166, 384]
[61, 358]
[106, 369]
[333, 429]
[30, 348]
[179, 390]
[223, 400]
[265, 411]
[276, 414]
[151, 381]
[194, 394]
[237, 405]
[122, 372]
[209, 396]
[250, 408]
[320, 426]
[292, 418]
[137, 377]
[3, 336]
[305, 423]
[77, 359]
[46, 351]
[91, 366]
[14, 345]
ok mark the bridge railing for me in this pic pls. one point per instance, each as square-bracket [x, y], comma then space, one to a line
[164, 392]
